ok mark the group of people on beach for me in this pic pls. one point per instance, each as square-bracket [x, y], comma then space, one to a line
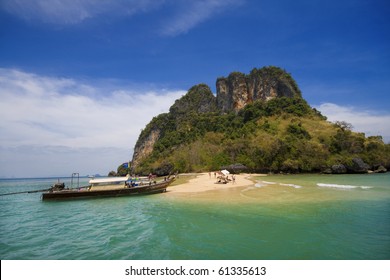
[222, 178]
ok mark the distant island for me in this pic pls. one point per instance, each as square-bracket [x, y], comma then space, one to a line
[259, 122]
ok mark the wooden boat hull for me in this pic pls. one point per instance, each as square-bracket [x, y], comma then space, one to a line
[85, 193]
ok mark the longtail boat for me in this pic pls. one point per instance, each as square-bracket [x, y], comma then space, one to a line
[109, 187]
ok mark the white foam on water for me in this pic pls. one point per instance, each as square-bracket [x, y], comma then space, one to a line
[292, 185]
[366, 187]
[268, 183]
[259, 185]
[336, 186]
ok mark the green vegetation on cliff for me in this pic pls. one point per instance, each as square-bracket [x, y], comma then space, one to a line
[279, 135]
[282, 134]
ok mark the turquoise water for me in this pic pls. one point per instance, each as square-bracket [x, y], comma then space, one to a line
[279, 217]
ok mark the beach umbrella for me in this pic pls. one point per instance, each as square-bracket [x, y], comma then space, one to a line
[225, 172]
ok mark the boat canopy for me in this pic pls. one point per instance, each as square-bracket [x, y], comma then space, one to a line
[109, 180]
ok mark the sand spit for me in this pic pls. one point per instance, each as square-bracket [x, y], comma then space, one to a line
[208, 182]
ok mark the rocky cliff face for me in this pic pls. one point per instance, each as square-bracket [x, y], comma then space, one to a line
[198, 100]
[233, 94]
[238, 90]
[144, 147]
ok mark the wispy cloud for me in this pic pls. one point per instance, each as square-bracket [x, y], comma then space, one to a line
[369, 122]
[190, 14]
[183, 15]
[65, 12]
[40, 114]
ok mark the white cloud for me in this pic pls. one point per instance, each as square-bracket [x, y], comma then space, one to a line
[75, 11]
[193, 13]
[369, 122]
[41, 115]
[182, 15]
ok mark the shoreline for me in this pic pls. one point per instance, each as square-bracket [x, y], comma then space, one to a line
[204, 182]
[251, 188]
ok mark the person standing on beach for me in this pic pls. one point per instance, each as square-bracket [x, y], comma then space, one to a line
[234, 179]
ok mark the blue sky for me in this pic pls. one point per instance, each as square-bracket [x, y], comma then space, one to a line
[80, 79]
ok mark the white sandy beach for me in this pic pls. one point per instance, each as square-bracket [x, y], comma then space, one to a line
[208, 182]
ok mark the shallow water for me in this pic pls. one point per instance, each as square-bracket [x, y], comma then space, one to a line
[279, 217]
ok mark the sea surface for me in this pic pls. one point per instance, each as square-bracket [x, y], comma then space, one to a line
[320, 217]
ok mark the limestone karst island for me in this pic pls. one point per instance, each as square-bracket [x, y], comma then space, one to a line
[258, 121]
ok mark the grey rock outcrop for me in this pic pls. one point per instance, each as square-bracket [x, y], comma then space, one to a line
[144, 147]
[380, 169]
[357, 166]
[339, 169]
[238, 90]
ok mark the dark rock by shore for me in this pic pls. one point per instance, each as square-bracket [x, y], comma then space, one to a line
[380, 169]
[338, 169]
[357, 166]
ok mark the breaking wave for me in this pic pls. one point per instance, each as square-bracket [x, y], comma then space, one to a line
[336, 186]
[260, 184]
[292, 185]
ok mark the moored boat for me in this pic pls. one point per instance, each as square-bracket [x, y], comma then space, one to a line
[110, 187]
